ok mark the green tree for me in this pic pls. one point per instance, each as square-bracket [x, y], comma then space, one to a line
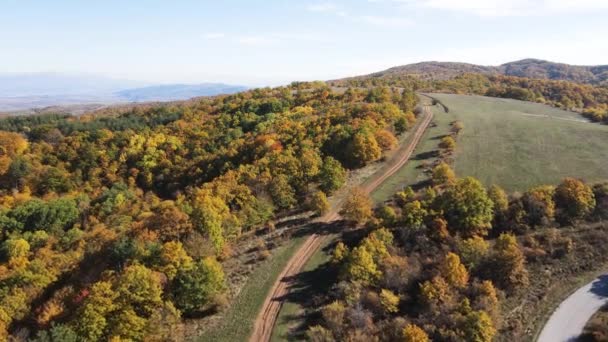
[319, 203]
[499, 198]
[473, 250]
[92, 320]
[478, 327]
[332, 175]
[467, 207]
[194, 287]
[414, 214]
[283, 194]
[360, 266]
[139, 287]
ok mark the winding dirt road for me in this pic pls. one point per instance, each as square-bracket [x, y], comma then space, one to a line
[272, 305]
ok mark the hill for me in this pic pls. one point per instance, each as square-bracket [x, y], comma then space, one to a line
[530, 68]
[514, 144]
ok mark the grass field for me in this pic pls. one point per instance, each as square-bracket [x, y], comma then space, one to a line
[291, 312]
[237, 322]
[511, 143]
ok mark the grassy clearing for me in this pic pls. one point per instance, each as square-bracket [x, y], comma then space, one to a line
[511, 143]
[412, 172]
[291, 314]
[237, 322]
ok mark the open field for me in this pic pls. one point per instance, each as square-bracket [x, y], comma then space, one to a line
[237, 322]
[511, 143]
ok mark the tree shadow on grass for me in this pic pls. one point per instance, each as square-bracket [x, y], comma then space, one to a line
[439, 137]
[309, 289]
[426, 155]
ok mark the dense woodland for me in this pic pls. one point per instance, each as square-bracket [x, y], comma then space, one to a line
[114, 226]
[436, 264]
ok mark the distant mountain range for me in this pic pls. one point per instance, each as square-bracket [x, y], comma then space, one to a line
[171, 92]
[22, 92]
[531, 68]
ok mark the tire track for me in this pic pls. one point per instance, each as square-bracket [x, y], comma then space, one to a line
[274, 301]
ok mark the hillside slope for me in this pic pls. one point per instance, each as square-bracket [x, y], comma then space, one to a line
[530, 68]
[514, 144]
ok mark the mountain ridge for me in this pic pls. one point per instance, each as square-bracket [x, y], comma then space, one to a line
[529, 67]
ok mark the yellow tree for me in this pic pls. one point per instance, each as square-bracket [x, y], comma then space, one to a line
[357, 207]
[436, 293]
[389, 301]
[499, 197]
[575, 199]
[448, 143]
[364, 148]
[92, 320]
[360, 266]
[173, 258]
[208, 214]
[413, 333]
[478, 327]
[508, 263]
[443, 174]
[454, 271]
[386, 140]
[319, 203]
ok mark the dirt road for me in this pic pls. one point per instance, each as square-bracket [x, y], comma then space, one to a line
[267, 317]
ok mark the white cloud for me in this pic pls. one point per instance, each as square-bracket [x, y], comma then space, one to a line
[493, 8]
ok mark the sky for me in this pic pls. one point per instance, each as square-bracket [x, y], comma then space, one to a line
[271, 42]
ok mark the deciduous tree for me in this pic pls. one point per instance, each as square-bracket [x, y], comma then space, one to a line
[357, 206]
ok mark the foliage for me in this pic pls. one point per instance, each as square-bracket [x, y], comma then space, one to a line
[467, 207]
[443, 174]
[357, 207]
[413, 333]
[575, 199]
[454, 271]
[332, 175]
[194, 287]
[319, 203]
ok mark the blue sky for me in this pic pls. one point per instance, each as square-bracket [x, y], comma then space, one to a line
[276, 41]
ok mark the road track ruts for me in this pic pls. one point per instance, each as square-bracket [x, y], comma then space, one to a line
[267, 317]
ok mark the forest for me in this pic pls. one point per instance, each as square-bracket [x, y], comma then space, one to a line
[116, 224]
[444, 263]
